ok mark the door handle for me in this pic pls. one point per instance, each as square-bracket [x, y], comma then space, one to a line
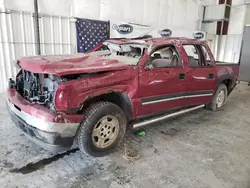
[181, 76]
[210, 76]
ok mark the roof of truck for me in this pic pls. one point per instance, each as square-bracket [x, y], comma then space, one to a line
[149, 41]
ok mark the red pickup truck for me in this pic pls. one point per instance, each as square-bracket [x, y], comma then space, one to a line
[93, 98]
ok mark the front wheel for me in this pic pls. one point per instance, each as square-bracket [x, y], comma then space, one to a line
[219, 98]
[102, 129]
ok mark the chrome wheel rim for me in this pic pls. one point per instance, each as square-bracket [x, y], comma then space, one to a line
[105, 131]
[220, 99]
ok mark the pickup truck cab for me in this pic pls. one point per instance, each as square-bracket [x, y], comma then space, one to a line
[93, 98]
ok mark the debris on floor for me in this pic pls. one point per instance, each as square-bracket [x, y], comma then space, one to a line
[130, 154]
[156, 150]
[170, 132]
[141, 133]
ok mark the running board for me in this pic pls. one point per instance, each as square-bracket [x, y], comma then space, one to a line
[163, 117]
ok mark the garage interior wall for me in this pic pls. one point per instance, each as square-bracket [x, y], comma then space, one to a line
[227, 48]
[58, 35]
[230, 48]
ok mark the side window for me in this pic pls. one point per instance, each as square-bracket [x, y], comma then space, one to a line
[194, 57]
[165, 57]
[208, 59]
[198, 56]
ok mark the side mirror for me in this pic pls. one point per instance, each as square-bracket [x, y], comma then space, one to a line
[149, 66]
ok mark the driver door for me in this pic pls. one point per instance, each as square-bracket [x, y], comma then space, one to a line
[162, 83]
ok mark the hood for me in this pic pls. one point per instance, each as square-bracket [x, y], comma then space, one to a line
[69, 64]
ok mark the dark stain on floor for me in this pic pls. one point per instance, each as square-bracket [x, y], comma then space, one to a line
[31, 167]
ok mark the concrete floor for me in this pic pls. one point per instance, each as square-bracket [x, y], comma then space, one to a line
[201, 149]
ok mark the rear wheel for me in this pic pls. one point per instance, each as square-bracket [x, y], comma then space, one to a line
[219, 98]
[102, 129]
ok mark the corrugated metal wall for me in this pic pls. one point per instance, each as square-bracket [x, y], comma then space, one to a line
[17, 39]
[173, 14]
[58, 33]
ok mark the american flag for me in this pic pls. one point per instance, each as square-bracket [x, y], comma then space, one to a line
[90, 33]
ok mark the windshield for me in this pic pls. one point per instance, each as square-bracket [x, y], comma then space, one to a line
[129, 53]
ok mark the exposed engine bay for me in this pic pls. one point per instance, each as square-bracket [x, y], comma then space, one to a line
[37, 88]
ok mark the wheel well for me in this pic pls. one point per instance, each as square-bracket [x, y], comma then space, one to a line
[228, 83]
[118, 98]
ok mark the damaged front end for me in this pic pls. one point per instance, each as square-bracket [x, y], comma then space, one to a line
[31, 103]
[36, 88]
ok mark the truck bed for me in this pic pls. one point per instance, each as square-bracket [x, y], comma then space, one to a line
[224, 68]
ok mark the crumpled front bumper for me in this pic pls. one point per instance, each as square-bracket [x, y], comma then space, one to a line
[47, 130]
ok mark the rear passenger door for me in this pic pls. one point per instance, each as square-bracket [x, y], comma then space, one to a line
[201, 74]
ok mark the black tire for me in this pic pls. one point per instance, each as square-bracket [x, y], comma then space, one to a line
[93, 115]
[213, 104]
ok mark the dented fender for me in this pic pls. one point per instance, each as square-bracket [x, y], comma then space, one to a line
[79, 90]
[91, 94]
